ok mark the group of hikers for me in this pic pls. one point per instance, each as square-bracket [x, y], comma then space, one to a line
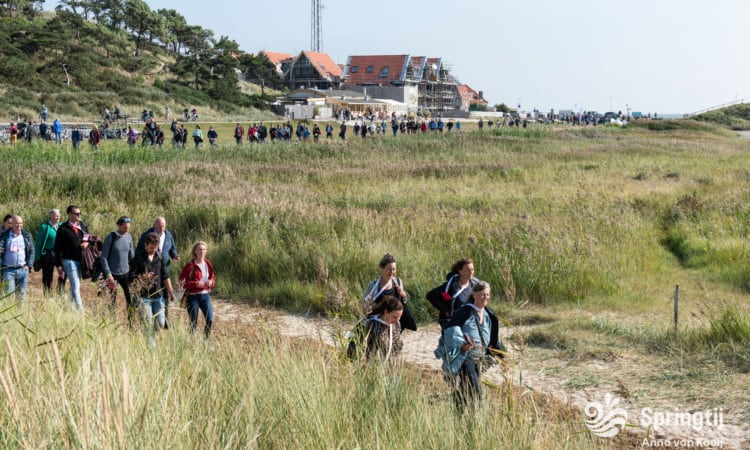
[67, 250]
[468, 344]
[469, 341]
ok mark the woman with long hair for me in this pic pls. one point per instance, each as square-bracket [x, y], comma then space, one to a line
[198, 279]
[388, 284]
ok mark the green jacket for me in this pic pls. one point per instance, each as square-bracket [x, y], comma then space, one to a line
[45, 238]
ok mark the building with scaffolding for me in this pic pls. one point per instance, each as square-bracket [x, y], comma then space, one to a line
[419, 82]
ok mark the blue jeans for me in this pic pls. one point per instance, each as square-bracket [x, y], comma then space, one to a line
[73, 273]
[58, 138]
[152, 313]
[17, 280]
[201, 302]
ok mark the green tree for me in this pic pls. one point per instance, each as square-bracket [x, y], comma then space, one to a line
[503, 108]
[261, 70]
[224, 71]
[20, 8]
[140, 20]
[175, 29]
[198, 52]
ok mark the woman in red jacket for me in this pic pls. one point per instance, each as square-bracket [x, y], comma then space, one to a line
[198, 278]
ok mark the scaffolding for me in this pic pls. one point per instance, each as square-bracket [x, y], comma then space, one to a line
[438, 91]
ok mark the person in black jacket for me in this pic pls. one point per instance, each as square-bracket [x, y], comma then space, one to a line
[72, 237]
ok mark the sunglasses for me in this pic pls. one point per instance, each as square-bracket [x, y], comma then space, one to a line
[76, 213]
[125, 220]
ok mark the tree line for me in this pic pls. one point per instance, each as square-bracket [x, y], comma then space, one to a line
[85, 44]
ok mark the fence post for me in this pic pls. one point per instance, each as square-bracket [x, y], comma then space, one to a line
[676, 306]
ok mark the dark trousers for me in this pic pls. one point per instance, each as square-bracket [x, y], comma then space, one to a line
[202, 302]
[469, 386]
[123, 281]
[48, 273]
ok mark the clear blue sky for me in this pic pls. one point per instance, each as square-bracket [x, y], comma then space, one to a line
[664, 56]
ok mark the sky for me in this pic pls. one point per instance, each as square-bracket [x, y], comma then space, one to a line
[652, 56]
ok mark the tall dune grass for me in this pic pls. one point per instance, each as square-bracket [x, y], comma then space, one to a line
[573, 215]
[70, 382]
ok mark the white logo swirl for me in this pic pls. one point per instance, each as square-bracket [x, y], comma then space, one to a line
[605, 420]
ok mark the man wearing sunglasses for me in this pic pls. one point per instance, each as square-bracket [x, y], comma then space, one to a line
[72, 237]
[117, 252]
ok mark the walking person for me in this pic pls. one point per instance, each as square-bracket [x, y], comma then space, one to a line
[76, 137]
[197, 136]
[212, 136]
[469, 343]
[45, 251]
[383, 338]
[17, 253]
[117, 252]
[198, 279]
[57, 130]
[150, 280]
[456, 291]
[388, 284]
[71, 239]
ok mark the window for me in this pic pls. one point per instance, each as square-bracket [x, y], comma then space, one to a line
[370, 69]
[354, 69]
[384, 72]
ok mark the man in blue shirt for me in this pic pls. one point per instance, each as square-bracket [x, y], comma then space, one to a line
[17, 253]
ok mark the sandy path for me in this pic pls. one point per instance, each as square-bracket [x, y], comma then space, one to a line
[529, 369]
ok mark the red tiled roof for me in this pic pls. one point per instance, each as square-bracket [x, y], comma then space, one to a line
[467, 93]
[357, 70]
[276, 57]
[324, 64]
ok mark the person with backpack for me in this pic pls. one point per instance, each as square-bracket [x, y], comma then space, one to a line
[117, 252]
[71, 239]
[469, 344]
[379, 335]
[388, 284]
[456, 290]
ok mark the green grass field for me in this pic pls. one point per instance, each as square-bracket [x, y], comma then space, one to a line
[590, 228]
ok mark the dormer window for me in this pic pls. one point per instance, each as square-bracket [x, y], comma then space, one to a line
[370, 69]
[384, 72]
[354, 69]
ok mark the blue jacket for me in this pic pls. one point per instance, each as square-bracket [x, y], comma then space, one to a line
[465, 322]
[56, 126]
[27, 242]
[169, 246]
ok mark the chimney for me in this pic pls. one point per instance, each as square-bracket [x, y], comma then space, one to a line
[481, 95]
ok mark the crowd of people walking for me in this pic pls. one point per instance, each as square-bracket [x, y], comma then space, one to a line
[67, 251]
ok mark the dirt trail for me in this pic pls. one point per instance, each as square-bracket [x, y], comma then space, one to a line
[529, 370]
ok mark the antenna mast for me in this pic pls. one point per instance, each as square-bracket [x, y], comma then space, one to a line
[316, 31]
